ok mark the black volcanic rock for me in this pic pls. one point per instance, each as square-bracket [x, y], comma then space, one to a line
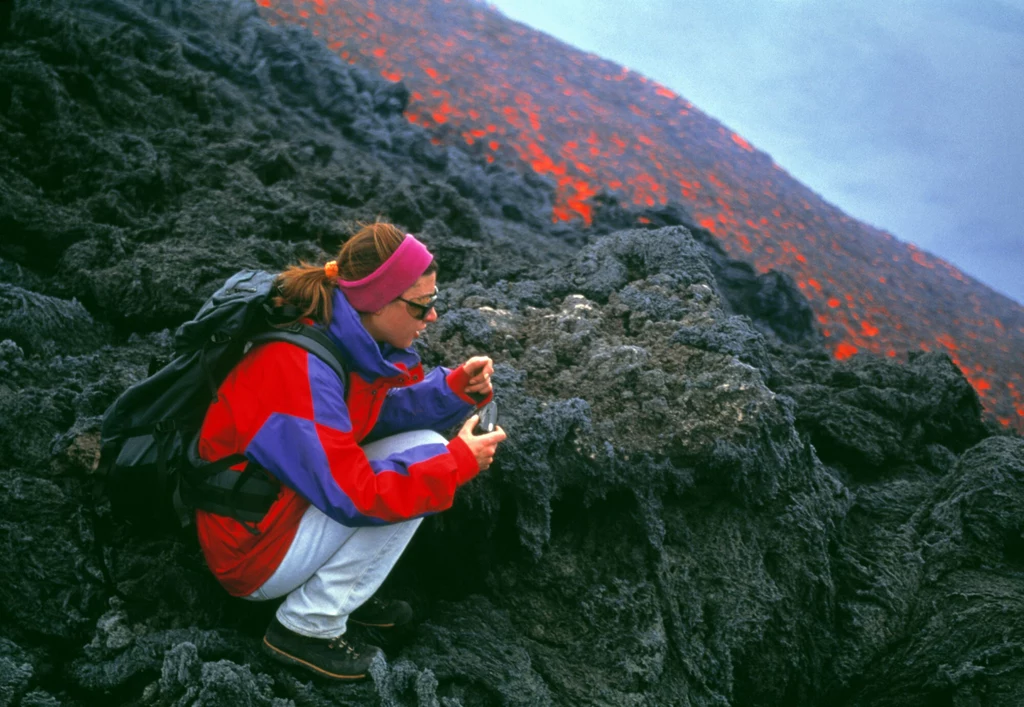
[929, 571]
[771, 300]
[46, 325]
[694, 506]
[870, 415]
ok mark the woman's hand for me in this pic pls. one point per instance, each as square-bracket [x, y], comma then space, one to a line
[479, 370]
[483, 446]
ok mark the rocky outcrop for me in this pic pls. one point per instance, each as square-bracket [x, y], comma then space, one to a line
[695, 505]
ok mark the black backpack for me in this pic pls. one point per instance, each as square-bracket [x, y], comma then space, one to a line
[149, 462]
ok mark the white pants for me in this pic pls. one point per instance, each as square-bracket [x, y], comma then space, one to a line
[330, 570]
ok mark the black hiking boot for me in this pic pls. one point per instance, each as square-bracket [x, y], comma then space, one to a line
[334, 658]
[378, 613]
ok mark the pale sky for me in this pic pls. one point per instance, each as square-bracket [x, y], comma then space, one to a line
[906, 114]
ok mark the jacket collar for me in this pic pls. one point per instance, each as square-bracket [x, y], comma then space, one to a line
[362, 354]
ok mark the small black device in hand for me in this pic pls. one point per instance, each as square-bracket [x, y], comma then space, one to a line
[488, 419]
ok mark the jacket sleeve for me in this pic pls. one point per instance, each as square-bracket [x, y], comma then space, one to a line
[307, 444]
[436, 403]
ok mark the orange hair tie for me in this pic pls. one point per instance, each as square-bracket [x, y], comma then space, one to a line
[331, 269]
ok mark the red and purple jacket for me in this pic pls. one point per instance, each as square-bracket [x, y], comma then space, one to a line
[287, 410]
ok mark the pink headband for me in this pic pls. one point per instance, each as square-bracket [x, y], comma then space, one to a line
[394, 276]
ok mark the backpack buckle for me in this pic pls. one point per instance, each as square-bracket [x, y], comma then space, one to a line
[165, 426]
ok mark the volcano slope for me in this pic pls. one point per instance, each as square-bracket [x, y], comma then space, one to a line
[516, 96]
[695, 506]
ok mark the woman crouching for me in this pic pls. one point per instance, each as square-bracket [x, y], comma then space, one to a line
[359, 461]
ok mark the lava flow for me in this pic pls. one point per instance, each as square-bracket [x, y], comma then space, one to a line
[516, 96]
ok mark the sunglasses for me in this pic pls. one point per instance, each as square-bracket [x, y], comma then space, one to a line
[417, 310]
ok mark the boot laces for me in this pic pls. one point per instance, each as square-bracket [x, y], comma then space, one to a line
[339, 643]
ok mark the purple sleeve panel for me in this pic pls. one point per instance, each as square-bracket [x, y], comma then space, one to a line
[327, 467]
[428, 405]
[289, 448]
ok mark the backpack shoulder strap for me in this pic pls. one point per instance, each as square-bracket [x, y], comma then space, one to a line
[312, 340]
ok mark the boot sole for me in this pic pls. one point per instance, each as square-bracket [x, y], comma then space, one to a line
[369, 625]
[285, 657]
